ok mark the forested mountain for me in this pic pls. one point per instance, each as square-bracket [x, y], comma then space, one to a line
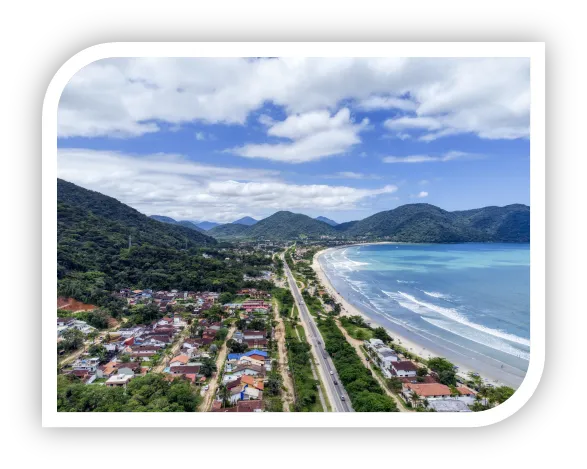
[248, 221]
[326, 220]
[206, 225]
[288, 225]
[229, 230]
[507, 224]
[425, 223]
[345, 226]
[188, 224]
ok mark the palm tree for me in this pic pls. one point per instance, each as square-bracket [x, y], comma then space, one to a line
[415, 398]
[224, 395]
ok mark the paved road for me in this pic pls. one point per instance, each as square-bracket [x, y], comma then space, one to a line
[325, 365]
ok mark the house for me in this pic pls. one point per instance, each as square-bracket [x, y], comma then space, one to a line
[255, 382]
[448, 405]
[251, 361]
[241, 406]
[426, 390]
[128, 368]
[86, 364]
[64, 322]
[184, 369]
[179, 360]
[240, 370]
[120, 380]
[466, 395]
[403, 368]
[256, 343]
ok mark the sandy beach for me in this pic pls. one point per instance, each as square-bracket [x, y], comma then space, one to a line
[350, 310]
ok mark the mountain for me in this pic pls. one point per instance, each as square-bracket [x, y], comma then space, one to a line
[229, 230]
[191, 225]
[345, 226]
[248, 221]
[188, 224]
[425, 223]
[93, 228]
[326, 220]
[288, 225]
[163, 219]
[506, 224]
[206, 225]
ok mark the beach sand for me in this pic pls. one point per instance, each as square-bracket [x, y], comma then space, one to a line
[350, 310]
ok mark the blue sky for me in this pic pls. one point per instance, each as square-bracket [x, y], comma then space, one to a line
[217, 139]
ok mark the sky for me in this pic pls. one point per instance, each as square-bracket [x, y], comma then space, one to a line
[219, 139]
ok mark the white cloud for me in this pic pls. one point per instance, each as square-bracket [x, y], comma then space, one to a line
[311, 136]
[420, 195]
[424, 182]
[451, 155]
[352, 175]
[119, 97]
[200, 136]
[172, 185]
[373, 103]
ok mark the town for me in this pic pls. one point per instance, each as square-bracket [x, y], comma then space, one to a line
[283, 348]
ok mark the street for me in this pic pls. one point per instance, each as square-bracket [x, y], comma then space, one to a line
[325, 365]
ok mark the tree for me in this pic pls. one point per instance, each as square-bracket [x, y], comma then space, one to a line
[395, 384]
[422, 371]
[274, 384]
[72, 339]
[444, 369]
[98, 351]
[208, 367]
[225, 297]
[125, 358]
[224, 395]
[415, 398]
[381, 334]
[236, 347]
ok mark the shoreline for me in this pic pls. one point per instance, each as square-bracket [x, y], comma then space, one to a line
[348, 309]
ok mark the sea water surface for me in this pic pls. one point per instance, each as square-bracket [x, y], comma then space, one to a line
[467, 302]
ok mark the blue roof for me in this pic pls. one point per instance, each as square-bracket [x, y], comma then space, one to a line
[256, 352]
[234, 356]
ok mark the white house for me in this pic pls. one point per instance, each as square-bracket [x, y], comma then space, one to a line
[403, 369]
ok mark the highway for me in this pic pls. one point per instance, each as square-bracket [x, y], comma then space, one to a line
[325, 365]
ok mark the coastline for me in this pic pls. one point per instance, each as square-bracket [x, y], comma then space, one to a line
[347, 309]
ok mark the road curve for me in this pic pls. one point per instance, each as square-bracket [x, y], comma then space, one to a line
[325, 365]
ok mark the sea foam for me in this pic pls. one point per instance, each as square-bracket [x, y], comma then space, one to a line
[454, 315]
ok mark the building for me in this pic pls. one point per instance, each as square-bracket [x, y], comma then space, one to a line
[403, 368]
[120, 380]
[427, 391]
[448, 405]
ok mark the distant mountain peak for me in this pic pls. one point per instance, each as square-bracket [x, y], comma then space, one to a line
[326, 220]
[247, 221]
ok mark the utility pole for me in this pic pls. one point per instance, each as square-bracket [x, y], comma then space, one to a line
[129, 241]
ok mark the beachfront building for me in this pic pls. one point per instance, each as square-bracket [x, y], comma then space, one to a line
[403, 369]
[448, 405]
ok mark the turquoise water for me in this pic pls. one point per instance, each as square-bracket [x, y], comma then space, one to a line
[467, 302]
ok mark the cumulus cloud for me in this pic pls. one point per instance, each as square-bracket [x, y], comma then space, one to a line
[373, 103]
[126, 97]
[309, 136]
[450, 156]
[175, 186]
[420, 195]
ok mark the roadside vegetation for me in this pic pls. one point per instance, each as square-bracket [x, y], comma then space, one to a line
[364, 391]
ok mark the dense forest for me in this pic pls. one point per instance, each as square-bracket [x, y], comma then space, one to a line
[149, 393]
[94, 258]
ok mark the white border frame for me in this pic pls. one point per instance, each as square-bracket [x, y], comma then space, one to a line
[536, 53]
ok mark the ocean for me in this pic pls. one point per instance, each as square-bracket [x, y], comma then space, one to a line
[469, 303]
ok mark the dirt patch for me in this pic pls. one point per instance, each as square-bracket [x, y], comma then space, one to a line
[73, 305]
